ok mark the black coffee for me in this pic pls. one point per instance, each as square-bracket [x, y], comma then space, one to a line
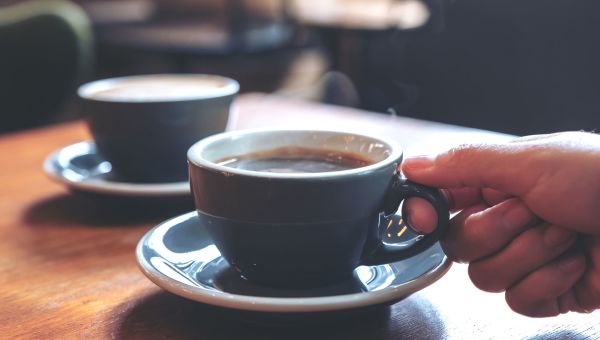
[297, 160]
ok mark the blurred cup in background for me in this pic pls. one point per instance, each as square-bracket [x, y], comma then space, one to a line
[143, 125]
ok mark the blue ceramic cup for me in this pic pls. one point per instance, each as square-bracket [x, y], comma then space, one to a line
[144, 125]
[281, 221]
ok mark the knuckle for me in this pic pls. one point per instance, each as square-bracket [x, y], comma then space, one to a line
[464, 152]
[592, 300]
[453, 252]
[588, 310]
[531, 308]
[458, 154]
[515, 304]
[484, 279]
[476, 237]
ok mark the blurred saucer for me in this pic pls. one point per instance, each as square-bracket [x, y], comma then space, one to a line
[179, 256]
[79, 167]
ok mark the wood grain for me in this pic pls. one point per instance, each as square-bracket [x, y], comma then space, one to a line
[67, 265]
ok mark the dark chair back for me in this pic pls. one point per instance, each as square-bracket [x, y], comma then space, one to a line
[45, 52]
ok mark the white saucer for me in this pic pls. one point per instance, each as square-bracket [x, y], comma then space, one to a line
[79, 167]
[179, 256]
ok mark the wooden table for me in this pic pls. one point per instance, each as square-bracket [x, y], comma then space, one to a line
[67, 265]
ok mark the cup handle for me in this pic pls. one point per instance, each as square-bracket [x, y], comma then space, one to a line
[376, 251]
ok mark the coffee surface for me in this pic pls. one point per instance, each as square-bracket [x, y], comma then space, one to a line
[297, 160]
[161, 88]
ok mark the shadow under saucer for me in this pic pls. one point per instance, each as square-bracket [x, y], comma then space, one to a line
[100, 210]
[165, 315]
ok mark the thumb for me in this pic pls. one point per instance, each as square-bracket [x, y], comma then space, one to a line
[504, 167]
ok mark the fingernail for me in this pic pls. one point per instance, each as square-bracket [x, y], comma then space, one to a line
[517, 216]
[571, 263]
[418, 162]
[556, 236]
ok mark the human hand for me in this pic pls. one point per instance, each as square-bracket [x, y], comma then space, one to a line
[529, 218]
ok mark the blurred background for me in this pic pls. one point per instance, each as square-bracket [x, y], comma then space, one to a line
[521, 67]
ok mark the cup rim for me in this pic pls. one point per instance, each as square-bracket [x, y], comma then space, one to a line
[87, 90]
[197, 160]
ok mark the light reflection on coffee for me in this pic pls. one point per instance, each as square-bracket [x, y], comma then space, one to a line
[296, 160]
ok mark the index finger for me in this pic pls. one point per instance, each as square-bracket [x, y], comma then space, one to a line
[496, 166]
